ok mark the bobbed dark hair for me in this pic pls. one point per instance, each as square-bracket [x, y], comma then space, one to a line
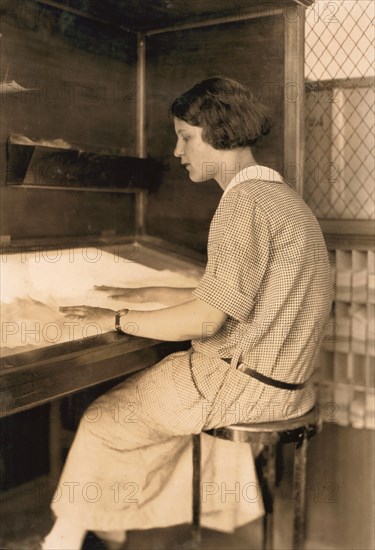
[229, 113]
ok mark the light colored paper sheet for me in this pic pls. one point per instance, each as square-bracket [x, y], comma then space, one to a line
[36, 284]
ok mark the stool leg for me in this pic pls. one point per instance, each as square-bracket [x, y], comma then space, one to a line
[268, 495]
[299, 490]
[55, 438]
[196, 490]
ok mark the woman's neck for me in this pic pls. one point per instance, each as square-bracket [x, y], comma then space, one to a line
[232, 162]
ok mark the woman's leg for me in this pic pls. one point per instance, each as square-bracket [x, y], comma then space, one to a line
[64, 535]
[130, 465]
[114, 538]
[121, 460]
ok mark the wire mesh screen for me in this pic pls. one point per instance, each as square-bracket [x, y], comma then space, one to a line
[340, 98]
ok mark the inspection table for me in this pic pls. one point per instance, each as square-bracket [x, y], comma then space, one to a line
[37, 376]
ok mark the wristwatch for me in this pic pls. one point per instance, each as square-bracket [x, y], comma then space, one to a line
[120, 313]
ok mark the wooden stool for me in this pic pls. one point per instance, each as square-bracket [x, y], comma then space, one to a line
[299, 430]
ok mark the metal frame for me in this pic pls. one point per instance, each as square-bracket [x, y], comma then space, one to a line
[83, 14]
[294, 135]
[216, 21]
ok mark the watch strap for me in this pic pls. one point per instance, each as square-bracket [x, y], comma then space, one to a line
[120, 313]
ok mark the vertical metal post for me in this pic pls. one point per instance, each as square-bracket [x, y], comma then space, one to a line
[268, 494]
[196, 442]
[140, 211]
[141, 196]
[141, 96]
[55, 435]
[294, 95]
[299, 493]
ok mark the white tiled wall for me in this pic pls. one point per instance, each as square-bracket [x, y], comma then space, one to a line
[347, 360]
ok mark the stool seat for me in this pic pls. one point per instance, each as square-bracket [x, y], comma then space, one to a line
[285, 431]
[296, 430]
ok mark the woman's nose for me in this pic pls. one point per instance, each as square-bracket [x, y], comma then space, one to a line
[179, 150]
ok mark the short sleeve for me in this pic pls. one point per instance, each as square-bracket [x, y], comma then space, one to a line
[238, 255]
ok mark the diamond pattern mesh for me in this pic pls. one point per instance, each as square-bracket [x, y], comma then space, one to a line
[340, 140]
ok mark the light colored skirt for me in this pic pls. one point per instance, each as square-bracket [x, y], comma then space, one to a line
[130, 466]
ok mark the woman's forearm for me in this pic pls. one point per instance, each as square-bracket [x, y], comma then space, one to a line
[193, 319]
[168, 296]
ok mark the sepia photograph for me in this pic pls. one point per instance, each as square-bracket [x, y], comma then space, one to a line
[187, 275]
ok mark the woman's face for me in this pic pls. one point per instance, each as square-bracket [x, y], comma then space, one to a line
[199, 158]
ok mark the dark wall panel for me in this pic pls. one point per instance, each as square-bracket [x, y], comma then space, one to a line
[34, 213]
[83, 98]
[251, 52]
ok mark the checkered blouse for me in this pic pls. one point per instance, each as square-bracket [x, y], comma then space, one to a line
[268, 269]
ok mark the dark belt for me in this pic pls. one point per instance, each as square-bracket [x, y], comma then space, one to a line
[266, 379]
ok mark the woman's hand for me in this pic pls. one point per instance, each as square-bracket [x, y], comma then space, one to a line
[104, 317]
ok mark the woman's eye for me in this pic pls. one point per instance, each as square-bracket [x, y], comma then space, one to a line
[185, 139]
